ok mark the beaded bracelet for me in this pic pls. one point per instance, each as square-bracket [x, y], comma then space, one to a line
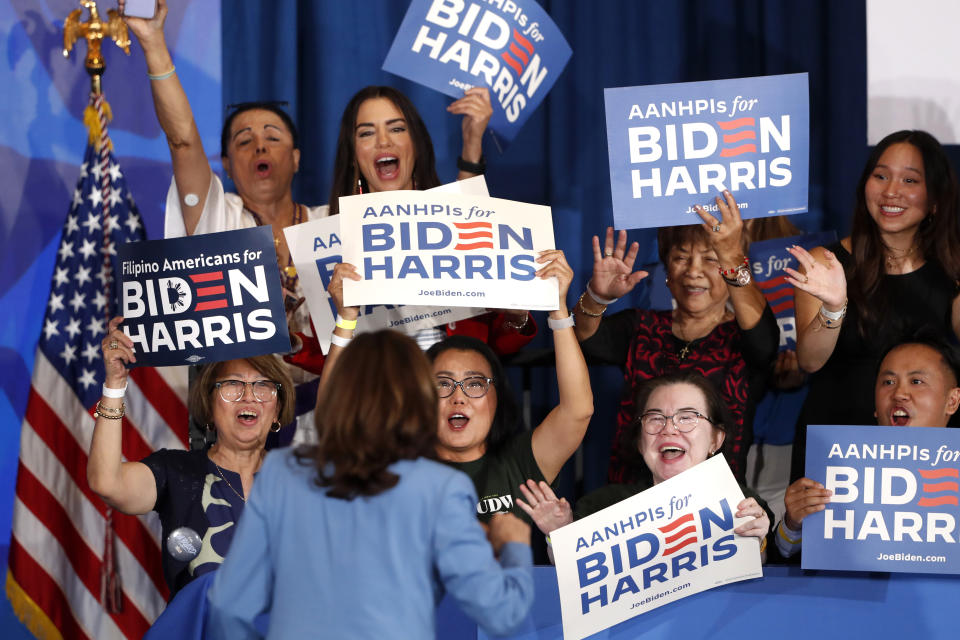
[109, 413]
[729, 273]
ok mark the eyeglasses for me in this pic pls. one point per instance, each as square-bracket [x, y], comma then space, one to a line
[653, 422]
[472, 387]
[233, 390]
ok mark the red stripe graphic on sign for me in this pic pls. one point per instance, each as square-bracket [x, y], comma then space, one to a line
[523, 42]
[684, 534]
[470, 235]
[737, 137]
[941, 486]
[212, 291]
[473, 225]
[512, 62]
[207, 277]
[211, 304]
[472, 231]
[517, 51]
[736, 151]
[680, 534]
[936, 474]
[936, 502]
[676, 523]
[729, 125]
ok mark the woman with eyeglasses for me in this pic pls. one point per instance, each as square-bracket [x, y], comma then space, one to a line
[682, 420]
[204, 490]
[359, 535]
[479, 424]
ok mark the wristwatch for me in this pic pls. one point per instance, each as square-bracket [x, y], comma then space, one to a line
[740, 277]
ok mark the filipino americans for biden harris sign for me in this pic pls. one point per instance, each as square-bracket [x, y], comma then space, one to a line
[668, 542]
[202, 298]
[673, 146]
[895, 499]
[437, 249]
[511, 47]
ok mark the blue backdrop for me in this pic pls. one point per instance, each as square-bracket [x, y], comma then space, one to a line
[316, 55]
[323, 53]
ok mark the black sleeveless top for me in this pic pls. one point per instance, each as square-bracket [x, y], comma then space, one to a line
[842, 392]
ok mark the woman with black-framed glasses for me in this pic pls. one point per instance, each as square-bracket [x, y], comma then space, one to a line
[479, 429]
[204, 490]
[682, 421]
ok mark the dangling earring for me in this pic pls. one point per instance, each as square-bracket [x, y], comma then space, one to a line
[207, 430]
[275, 427]
[359, 186]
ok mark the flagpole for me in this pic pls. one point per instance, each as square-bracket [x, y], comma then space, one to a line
[96, 116]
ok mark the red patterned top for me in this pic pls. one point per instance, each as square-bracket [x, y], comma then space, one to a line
[736, 360]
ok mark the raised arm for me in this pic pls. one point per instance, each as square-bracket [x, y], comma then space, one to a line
[820, 299]
[725, 234]
[126, 486]
[613, 277]
[191, 170]
[562, 431]
[343, 332]
[475, 108]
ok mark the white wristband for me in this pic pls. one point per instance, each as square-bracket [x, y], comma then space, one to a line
[114, 393]
[560, 323]
[597, 298]
[834, 315]
[340, 341]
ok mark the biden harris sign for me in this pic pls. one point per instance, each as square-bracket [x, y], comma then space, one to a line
[436, 249]
[674, 146]
[202, 298]
[511, 47]
[895, 499]
[671, 541]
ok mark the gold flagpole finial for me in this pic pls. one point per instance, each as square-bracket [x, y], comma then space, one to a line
[94, 30]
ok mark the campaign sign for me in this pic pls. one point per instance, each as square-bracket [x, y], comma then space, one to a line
[666, 543]
[425, 247]
[315, 247]
[202, 298]
[673, 146]
[512, 47]
[768, 259]
[895, 499]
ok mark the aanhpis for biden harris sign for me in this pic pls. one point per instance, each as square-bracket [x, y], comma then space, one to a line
[894, 507]
[673, 146]
[438, 249]
[512, 47]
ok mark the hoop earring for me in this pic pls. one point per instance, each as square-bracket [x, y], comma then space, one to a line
[275, 427]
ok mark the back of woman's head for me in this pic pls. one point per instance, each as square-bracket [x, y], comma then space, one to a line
[345, 170]
[379, 406]
[717, 410]
[506, 418]
[938, 236]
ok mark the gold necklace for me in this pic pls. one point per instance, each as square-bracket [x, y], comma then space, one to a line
[224, 478]
[893, 261]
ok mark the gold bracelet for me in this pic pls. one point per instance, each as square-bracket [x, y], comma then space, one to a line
[583, 309]
[109, 413]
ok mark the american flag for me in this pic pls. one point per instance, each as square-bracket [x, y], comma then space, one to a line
[67, 547]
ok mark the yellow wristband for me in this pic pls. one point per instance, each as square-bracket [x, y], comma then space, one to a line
[347, 325]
